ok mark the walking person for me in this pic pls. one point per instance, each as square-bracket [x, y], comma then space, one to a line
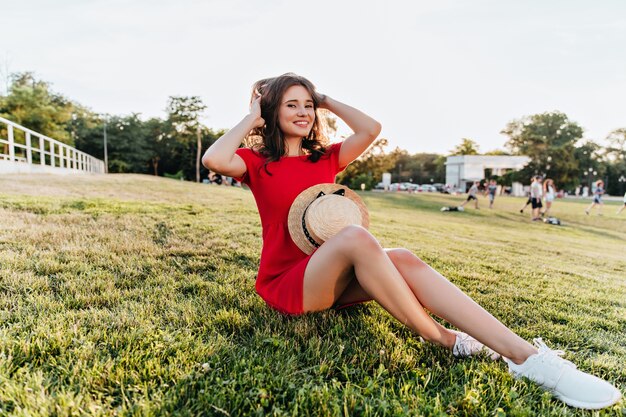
[491, 192]
[536, 193]
[529, 200]
[471, 195]
[288, 157]
[549, 193]
[597, 198]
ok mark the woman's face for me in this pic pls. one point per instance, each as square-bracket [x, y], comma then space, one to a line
[296, 113]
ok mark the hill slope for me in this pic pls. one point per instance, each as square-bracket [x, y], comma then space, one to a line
[134, 295]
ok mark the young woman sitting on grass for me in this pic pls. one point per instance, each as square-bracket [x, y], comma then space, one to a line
[289, 154]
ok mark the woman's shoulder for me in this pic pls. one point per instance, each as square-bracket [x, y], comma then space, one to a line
[251, 153]
[332, 149]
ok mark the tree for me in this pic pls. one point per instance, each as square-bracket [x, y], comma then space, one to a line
[128, 145]
[617, 144]
[466, 147]
[589, 158]
[549, 140]
[31, 103]
[372, 163]
[497, 152]
[184, 116]
[615, 155]
[157, 143]
[329, 121]
[419, 168]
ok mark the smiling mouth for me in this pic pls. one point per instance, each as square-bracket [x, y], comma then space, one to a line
[301, 124]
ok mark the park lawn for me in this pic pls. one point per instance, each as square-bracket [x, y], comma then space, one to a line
[134, 295]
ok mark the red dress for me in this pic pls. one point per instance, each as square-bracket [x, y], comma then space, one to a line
[281, 271]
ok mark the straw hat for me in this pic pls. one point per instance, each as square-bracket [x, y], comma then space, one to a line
[320, 211]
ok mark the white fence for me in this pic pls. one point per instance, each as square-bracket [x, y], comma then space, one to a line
[25, 151]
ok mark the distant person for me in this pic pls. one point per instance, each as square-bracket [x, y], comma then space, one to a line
[536, 193]
[623, 205]
[216, 178]
[597, 198]
[549, 194]
[529, 201]
[491, 192]
[471, 195]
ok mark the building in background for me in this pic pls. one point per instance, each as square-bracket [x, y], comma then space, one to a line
[462, 170]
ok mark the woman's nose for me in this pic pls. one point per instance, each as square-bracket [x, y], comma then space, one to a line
[301, 111]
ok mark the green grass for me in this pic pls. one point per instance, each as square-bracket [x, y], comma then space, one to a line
[134, 295]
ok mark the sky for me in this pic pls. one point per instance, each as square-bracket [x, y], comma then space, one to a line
[432, 72]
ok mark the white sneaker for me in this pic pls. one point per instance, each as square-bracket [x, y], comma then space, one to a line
[563, 380]
[465, 346]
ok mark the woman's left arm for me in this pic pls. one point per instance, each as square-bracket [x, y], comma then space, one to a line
[365, 129]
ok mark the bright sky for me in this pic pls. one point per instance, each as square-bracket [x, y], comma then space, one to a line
[432, 72]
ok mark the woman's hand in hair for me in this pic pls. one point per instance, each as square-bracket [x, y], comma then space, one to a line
[255, 112]
[321, 100]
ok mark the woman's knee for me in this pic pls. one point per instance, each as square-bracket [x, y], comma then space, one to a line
[357, 238]
[402, 257]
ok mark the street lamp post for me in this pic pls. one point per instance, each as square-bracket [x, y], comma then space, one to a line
[106, 155]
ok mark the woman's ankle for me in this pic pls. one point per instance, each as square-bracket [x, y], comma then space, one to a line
[520, 357]
[448, 339]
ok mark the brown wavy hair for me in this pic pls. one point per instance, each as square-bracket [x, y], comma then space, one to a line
[269, 140]
[547, 183]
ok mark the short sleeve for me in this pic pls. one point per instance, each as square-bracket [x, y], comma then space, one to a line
[251, 159]
[334, 157]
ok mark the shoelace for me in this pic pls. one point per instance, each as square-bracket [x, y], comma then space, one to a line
[548, 355]
[467, 345]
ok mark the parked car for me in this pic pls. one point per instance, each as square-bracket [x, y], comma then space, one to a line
[397, 186]
[411, 187]
[429, 188]
[438, 186]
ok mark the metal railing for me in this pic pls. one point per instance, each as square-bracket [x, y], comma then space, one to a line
[26, 151]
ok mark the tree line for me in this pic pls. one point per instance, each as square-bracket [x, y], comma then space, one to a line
[172, 146]
[167, 146]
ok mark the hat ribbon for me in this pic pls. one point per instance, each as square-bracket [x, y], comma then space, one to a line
[341, 192]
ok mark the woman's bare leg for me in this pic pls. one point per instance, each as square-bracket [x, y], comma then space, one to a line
[329, 278]
[445, 300]
[355, 252]
[547, 210]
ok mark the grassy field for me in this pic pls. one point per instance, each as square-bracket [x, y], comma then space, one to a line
[134, 295]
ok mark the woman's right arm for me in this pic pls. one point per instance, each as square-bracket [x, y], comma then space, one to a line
[221, 156]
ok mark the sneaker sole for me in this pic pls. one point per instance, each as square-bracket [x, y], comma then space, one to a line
[589, 406]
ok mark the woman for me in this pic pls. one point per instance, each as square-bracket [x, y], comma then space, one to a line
[549, 193]
[288, 154]
[597, 198]
[491, 191]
